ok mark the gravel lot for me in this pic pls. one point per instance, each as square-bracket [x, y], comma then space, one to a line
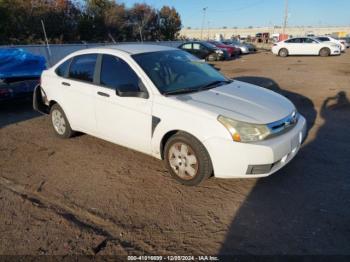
[88, 196]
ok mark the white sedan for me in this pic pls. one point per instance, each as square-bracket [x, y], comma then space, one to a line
[168, 104]
[329, 39]
[305, 46]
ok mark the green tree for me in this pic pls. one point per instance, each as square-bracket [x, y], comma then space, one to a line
[169, 23]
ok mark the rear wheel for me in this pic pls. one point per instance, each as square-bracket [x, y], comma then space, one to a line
[187, 159]
[283, 52]
[325, 52]
[60, 122]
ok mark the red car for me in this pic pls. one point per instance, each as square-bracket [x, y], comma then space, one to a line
[230, 49]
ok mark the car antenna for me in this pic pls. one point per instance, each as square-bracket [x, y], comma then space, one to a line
[48, 50]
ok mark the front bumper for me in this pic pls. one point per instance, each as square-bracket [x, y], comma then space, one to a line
[238, 160]
[335, 52]
[244, 50]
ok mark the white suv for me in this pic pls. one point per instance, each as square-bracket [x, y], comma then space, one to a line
[168, 104]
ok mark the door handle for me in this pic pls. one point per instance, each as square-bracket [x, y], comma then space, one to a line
[65, 84]
[103, 94]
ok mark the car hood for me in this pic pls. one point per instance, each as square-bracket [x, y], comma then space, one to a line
[241, 101]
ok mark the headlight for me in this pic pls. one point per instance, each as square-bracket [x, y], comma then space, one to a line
[219, 51]
[334, 45]
[244, 132]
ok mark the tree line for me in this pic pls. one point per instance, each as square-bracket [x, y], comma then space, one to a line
[76, 21]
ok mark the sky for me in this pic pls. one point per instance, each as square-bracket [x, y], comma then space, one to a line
[244, 13]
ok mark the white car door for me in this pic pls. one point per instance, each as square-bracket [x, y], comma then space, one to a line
[311, 47]
[123, 107]
[293, 46]
[76, 95]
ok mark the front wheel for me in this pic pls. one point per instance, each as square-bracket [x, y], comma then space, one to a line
[187, 159]
[325, 52]
[60, 122]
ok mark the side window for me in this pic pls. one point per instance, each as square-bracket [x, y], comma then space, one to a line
[187, 46]
[117, 74]
[83, 67]
[196, 46]
[309, 41]
[293, 40]
[62, 70]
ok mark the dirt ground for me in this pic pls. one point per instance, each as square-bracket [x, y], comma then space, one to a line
[88, 196]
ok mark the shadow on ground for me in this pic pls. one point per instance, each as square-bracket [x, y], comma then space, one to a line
[12, 112]
[305, 207]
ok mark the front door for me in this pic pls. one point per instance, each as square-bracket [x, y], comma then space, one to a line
[124, 120]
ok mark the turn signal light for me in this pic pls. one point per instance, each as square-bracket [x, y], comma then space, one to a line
[236, 137]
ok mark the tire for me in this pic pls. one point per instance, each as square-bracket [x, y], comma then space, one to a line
[283, 52]
[187, 159]
[60, 122]
[325, 52]
[211, 58]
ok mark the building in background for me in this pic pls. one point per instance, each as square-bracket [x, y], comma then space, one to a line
[227, 33]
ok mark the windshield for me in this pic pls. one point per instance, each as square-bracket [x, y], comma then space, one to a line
[177, 71]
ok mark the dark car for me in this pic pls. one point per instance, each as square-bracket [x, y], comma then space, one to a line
[19, 73]
[204, 50]
[17, 88]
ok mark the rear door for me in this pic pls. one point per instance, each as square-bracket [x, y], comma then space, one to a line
[124, 120]
[294, 46]
[77, 92]
[188, 48]
[200, 50]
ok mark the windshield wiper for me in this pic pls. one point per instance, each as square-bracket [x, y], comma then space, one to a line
[191, 90]
[214, 84]
[180, 91]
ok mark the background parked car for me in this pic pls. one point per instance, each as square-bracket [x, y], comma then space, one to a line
[332, 40]
[231, 50]
[204, 50]
[305, 46]
[242, 48]
[19, 73]
[251, 47]
[346, 41]
[17, 89]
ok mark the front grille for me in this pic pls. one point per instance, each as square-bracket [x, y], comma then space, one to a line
[283, 125]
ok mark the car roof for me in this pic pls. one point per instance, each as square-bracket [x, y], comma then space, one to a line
[137, 48]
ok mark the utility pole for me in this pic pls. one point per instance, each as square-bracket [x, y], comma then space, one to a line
[208, 30]
[285, 17]
[204, 13]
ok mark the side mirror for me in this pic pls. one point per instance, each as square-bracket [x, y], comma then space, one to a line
[126, 90]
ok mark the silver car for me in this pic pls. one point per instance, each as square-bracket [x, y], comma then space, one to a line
[243, 48]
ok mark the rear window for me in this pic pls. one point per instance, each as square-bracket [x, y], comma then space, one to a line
[187, 46]
[83, 67]
[293, 40]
